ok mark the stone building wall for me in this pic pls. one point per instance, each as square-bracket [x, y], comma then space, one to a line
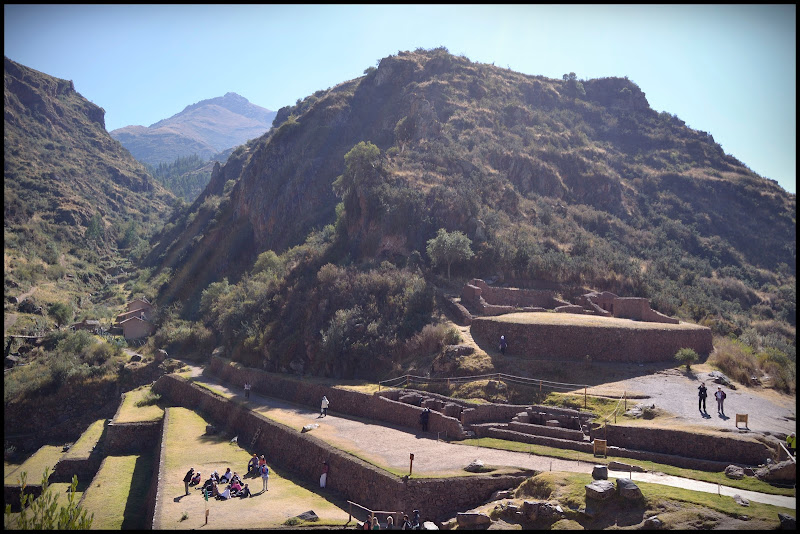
[732, 449]
[131, 438]
[376, 407]
[607, 344]
[303, 454]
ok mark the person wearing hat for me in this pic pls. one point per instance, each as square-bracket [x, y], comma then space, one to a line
[791, 443]
[188, 478]
[720, 396]
[503, 345]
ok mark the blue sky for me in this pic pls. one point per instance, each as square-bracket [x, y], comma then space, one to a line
[729, 70]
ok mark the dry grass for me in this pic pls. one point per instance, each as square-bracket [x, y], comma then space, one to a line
[188, 446]
[130, 413]
[571, 319]
[46, 457]
[116, 495]
[83, 447]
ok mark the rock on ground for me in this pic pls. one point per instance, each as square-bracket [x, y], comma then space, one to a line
[600, 490]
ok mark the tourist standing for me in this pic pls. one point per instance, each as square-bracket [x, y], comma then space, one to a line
[323, 478]
[265, 476]
[188, 478]
[424, 417]
[503, 345]
[324, 407]
[791, 443]
[247, 390]
[720, 396]
[702, 393]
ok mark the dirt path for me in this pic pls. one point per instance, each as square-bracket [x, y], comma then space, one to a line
[390, 446]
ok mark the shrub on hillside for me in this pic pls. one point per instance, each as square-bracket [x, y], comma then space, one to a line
[687, 357]
[735, 359]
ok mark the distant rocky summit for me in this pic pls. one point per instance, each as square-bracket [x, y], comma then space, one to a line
[205, 129]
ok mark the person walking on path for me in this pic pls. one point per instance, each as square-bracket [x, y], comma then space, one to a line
[791, 443]
[503, 345]
[324, 407]
[188, 478]
[720, 396]
[265, 476]
[323, 479]
[247, 390]
[702, 393]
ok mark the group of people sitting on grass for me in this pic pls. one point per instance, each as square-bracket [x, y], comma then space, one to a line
[234, 487]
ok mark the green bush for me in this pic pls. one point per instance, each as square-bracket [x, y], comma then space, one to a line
[687, 357]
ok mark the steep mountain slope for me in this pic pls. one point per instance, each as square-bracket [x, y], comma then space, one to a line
[205, 128]
[61, 166]
[570, 181]
[70, 190]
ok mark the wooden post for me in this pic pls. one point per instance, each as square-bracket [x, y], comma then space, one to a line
[540, 386]
[411, 465]
[584, 397]
[625, 395]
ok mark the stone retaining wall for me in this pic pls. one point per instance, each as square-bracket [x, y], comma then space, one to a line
[540, 430]
[733, 449]
[504, 413]
[131, 438]
[303, 454]
[377, 407]
[607, 344]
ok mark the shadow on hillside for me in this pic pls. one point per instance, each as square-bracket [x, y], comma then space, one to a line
[133, 517]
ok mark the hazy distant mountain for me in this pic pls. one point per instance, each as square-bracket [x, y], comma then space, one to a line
[205, 129]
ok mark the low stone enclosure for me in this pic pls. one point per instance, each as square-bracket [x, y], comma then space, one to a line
[602, 326]
[487, 300]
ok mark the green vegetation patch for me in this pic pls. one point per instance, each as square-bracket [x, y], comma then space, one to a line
[139, 405]
[117, 493]
[45, 458]
[88, 440]
[747, 483]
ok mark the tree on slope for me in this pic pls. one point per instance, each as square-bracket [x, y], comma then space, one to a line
[449, 247]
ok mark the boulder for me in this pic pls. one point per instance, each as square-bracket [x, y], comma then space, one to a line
[211, 429]
[619, 466]
[308, 516]
[785, 471]
[458, 351]
[787, 522]
[136, 357]
[600, 472]
[741, 501]
[628, 489]
[475, 466]
[309, 427]
[473, 520]
[533, 510]
[653, 522]
[600, 490]
[429, 525]
[502, 494]
[735, 472]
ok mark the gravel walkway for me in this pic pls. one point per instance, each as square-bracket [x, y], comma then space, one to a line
[673, 391]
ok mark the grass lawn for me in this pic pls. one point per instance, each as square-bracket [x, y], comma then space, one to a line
[83, 447]
[747, 483]
[188, 446]
[117, 493]
[130, 413]
[46, 457]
